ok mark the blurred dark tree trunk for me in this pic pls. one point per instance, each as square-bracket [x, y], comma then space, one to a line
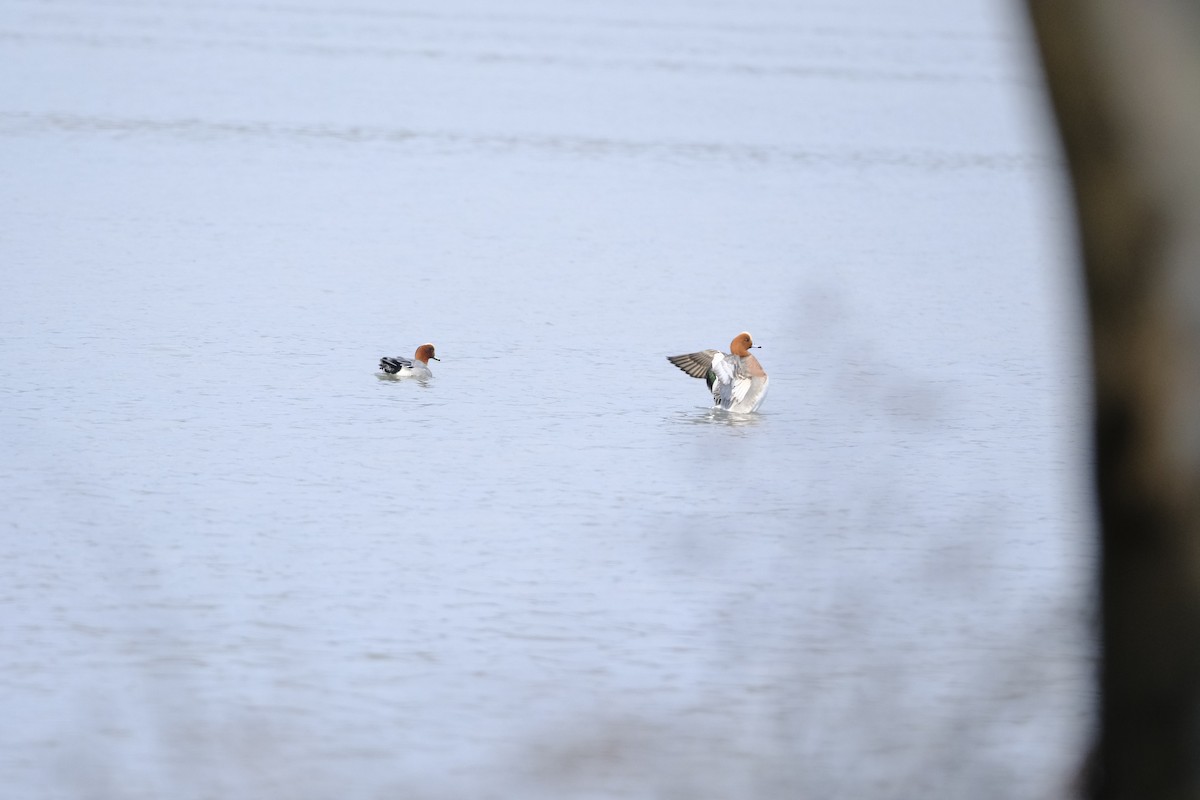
[1124, 82]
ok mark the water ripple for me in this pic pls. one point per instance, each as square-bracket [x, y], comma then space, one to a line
[591, 147]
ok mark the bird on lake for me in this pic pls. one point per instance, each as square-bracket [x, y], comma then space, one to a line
[736, 379]
[415, 367]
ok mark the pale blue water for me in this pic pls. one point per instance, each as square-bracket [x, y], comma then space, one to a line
[234, 563]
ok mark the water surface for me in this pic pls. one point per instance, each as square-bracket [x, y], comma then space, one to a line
[236, 564]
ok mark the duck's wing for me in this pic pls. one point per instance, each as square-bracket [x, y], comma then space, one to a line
[755, 395]
[730, 383]
[393, 364]
[698, 365]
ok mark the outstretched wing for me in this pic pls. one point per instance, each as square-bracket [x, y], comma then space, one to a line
[391, 365]
[698, 365]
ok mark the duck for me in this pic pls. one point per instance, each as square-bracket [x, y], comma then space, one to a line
[737, 381]
[415, 367]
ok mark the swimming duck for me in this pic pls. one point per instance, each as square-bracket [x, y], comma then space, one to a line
[737, 381]
[415, 367]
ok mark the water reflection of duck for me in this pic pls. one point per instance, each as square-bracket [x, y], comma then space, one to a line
[415, 367]
[737, 381]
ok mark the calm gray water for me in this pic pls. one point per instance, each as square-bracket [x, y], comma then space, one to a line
[235, 564]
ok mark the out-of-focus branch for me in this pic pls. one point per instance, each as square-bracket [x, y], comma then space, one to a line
[1124, 81]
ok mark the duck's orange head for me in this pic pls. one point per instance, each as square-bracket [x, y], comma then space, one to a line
[424, 353]
[741, 344]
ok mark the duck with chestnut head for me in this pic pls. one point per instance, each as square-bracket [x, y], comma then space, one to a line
[415, 367]
[736, 379]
